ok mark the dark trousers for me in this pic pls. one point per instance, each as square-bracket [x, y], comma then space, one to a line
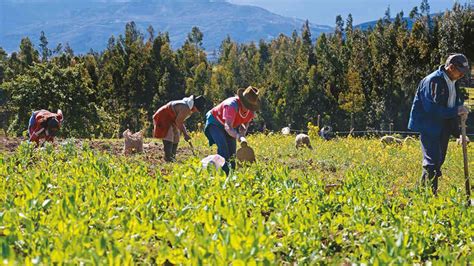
[170, 150]
[434, 149]
[226, 145]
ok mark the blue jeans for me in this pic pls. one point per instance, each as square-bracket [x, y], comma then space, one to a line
[226, 145]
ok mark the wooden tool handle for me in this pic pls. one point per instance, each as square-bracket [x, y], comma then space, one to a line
[464, 153]
[192, 147]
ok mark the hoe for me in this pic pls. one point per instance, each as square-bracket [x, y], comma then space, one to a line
[466, 166]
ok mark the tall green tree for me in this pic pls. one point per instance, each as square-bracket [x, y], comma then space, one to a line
[28, 54]
[44, 50]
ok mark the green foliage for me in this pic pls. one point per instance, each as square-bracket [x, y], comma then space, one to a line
[346, 201]
[28, 55]
[313, 131]
[49, 87]
[351, 77]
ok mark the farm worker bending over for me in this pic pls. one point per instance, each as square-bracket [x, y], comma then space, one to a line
[229, 121]
[44, 125]
[168, 122]
[434, 113]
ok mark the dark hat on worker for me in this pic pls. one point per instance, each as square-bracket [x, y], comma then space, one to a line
[459, 61]
[52, 125]
[250, 98]
[200, 103]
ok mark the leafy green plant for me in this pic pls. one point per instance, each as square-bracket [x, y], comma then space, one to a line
[346, 201]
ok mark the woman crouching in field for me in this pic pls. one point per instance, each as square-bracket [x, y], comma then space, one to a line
[44, 124]
[168, 122]
[229, 121]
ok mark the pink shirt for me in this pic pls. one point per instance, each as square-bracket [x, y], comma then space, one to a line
[230, 110]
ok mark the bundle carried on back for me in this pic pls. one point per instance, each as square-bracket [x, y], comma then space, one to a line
[133, 142]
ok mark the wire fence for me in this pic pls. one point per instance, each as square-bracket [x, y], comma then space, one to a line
[369, 133]
[364, 132]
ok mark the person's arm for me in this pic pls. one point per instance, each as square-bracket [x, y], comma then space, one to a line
[187, 137]
[244, 128]
[49, 138]
[35, 136]
[460, 102]
[429, 94]
[37, 129]
[183, 114]
[229, 115]
[454, 124]
[230, 130]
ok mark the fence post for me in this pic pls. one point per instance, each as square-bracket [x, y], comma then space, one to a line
[352, 122]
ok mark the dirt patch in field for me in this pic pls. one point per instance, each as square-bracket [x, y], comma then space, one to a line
[152, 150]
[153, 154]
[9, 145]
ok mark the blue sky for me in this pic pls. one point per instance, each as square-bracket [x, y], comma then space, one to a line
[325, 11]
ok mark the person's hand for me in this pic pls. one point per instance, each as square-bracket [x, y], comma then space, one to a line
[242, 131]
[243, 140]
[175, 130]
[465, 138]
[462, 110]
[42, 143]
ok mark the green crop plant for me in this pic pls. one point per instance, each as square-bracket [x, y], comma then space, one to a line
[348, 200]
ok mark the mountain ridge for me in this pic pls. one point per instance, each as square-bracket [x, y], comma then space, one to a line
[87, 27]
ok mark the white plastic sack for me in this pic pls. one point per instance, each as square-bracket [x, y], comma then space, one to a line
[216, 160]
[285, 131]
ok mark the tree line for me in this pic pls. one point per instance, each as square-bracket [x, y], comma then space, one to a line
[352, 77]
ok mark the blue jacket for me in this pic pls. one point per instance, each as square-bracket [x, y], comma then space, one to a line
[429, 112]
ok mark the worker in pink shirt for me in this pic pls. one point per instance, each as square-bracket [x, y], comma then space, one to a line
[229, 121]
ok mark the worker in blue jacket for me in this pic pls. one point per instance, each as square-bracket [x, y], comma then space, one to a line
[438, 103]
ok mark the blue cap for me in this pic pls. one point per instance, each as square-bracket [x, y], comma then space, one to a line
[459, 61]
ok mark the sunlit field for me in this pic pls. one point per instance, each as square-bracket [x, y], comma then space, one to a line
[349, 200]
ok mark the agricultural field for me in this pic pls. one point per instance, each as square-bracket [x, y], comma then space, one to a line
[348, 200]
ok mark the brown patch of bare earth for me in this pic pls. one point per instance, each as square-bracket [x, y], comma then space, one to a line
[152, 150]
[9, 145]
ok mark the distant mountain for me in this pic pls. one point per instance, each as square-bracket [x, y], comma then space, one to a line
[371, 24]
[89, 24]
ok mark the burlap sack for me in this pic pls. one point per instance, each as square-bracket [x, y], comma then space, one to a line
[245, 153]
[133, 142]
